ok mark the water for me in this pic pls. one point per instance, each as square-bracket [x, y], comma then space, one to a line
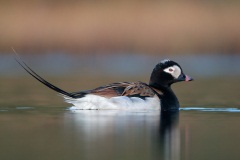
[35, 123]
[56, 133]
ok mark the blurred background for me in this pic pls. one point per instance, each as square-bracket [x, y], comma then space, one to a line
[83, 44]
[153, 27]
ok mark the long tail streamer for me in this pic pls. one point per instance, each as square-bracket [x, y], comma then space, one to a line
[40, 79]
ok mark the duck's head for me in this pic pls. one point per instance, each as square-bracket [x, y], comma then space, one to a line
[166, 73]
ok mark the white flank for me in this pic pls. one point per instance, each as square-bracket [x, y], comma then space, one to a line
[115, 103]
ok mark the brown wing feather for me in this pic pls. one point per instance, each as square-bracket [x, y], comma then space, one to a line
[138, 88]
[124, 89]
[111, 90]
[106, 92]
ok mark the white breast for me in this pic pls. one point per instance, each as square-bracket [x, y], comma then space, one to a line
[115, 103]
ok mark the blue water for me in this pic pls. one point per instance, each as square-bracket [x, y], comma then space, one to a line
[205, 65]
[210, 109]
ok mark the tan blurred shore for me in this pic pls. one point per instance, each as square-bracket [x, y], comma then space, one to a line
[116, 26]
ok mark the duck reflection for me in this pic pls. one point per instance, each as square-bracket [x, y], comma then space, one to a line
[169, 138]
[129, 135]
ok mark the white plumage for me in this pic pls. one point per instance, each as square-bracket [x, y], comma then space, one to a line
[115, 103]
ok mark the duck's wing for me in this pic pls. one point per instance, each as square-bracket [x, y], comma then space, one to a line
[129, 89]
[108, 91]
[139, 89]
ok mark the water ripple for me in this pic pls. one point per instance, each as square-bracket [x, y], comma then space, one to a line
[3, 110]
[210, 109]
[24, 108]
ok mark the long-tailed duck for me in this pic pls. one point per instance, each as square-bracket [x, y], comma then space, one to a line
[157, 95]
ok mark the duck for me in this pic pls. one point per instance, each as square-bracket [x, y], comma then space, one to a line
[156, 95]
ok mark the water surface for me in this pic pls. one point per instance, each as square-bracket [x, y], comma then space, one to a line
[56, 133]
[35, 123]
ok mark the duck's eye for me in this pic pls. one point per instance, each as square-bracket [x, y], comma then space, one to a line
[175, 71]
[170, 69]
